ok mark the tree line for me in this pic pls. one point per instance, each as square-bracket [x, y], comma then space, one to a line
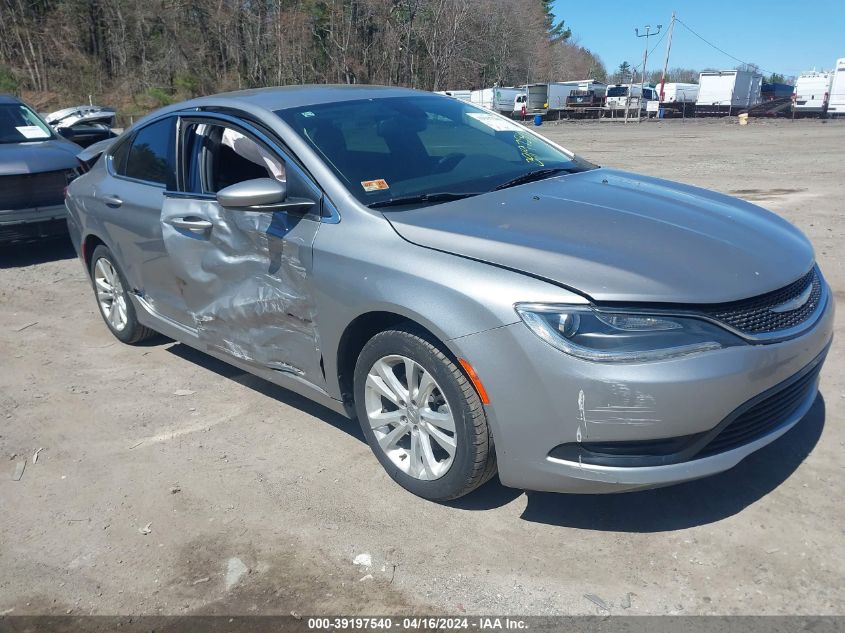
[626, 73]
[163, 50]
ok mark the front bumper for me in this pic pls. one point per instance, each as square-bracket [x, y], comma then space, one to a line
[22, 225]
[542, 398]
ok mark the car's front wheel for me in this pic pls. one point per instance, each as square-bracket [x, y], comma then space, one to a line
[112, 294]
[421, 416]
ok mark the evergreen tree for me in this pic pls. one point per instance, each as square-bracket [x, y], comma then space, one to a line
[557, 32]
[622, 72]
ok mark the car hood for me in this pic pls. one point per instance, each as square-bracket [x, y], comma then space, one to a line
[32, 158]
[620, 237]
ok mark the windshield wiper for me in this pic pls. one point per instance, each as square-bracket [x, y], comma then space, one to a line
[423, 197]
[531, 176]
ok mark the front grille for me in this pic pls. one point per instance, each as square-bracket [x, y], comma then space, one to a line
[764, 416]
[27, 191]
[32, 231]
[755, 316]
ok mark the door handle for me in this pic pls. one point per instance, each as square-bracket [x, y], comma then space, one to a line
[194, 225]
[112, 201]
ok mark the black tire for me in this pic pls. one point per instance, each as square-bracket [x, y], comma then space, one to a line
[133, 332]
[474, 461]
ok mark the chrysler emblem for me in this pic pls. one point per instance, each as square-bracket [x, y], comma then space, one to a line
[794, 304]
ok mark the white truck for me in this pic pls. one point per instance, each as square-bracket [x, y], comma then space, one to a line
[557, 93]
[617, 98]
[836, 104]
[463, 95]
[482, 98]
[535, 97]
[675, 92]
[678, 98]
[502, 100]
[728, 91]
[812, 92]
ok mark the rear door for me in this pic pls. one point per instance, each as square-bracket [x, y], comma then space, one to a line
[755, 89]
[245, 275]
[129, 203]
[837, 90]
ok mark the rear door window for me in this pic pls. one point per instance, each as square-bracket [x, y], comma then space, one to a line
[152, 154]
[118, 157]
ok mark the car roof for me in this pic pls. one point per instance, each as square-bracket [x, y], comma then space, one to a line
[284, 97]
[261, 101]
[9, 99]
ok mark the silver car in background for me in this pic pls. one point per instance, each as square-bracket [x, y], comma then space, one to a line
[481, 299]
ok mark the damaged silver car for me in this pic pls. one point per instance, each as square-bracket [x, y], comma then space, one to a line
[481, 299]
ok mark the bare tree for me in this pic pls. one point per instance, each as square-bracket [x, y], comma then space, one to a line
[138, 55]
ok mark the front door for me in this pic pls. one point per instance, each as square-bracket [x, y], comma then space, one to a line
[245, 276]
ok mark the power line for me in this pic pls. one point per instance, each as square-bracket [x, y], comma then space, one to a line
[662, 35]
[724, 52]
[634, 69]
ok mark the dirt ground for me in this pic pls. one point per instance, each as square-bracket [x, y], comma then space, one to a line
[257, 501]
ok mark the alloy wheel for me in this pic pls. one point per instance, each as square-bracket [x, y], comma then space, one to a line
[410, 418]
[110, 294]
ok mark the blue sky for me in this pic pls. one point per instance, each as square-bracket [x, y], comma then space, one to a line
[778, 35]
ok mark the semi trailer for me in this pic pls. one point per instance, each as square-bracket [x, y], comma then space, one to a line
[727, 91]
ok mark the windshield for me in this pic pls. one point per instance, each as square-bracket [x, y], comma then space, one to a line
[19, 124]
[618, 91]
[438, 148]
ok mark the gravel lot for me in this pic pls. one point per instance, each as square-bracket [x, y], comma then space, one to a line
[257, 501]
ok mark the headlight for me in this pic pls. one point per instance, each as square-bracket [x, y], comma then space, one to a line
[621, 337]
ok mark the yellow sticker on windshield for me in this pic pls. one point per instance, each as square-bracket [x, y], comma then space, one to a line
[375, 185]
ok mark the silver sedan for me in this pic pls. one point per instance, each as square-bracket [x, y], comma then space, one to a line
[481, 299]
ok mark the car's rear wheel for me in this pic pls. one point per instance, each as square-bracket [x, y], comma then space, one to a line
[421, 416]
[111, 291]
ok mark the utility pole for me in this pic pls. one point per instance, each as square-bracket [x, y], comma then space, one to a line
[646, 35]
[666, 60]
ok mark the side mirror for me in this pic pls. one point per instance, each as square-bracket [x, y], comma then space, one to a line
[259, 192]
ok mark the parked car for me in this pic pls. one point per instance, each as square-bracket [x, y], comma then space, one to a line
[35, 167]
[480, 298]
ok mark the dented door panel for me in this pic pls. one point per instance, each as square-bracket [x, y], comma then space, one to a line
[246, 283]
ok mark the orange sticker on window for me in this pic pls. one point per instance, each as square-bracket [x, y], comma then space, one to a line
[375, 185]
